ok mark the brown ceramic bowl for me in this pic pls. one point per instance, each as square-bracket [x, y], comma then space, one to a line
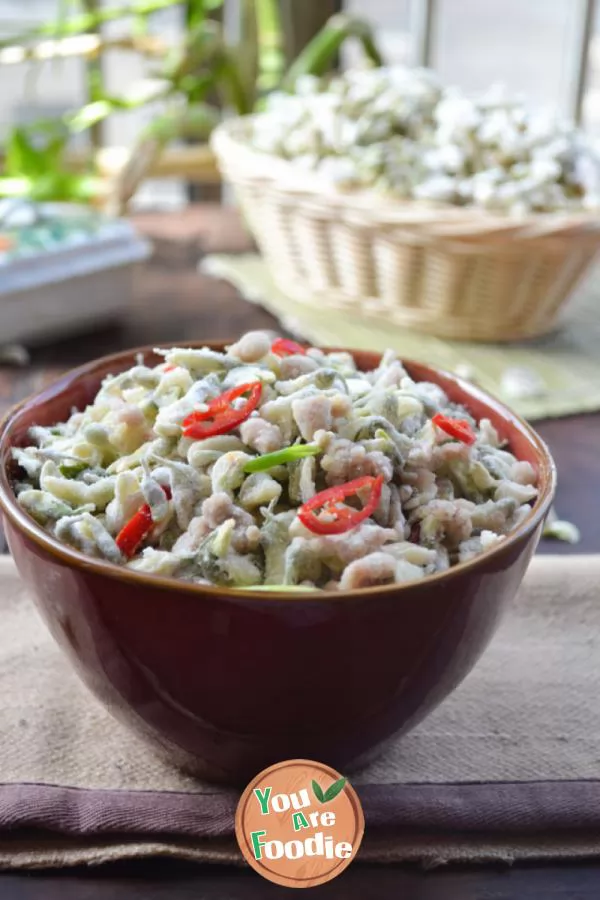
[228, 682]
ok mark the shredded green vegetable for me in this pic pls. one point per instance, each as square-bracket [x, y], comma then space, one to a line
[281, 587]
[225, 509]
[72, 469]
[281, 457]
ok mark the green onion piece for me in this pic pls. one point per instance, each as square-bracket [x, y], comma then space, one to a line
[149, 410]
[281, 457]
[561, 530]
[382, 435]
[280, 587]
[72, 469]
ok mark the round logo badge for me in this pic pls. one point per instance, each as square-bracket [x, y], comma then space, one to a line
[299, 823]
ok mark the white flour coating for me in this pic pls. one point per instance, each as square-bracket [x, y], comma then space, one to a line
[222, 513]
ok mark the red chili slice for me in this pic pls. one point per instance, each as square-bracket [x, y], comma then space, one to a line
[134, 532]
[325, 513]
[456, 428]
[285, 347]
[220, 416]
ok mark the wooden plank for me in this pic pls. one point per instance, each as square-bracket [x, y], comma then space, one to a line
[195, 163]
[192, 163]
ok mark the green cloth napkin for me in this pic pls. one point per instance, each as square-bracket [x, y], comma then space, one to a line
[567, 361]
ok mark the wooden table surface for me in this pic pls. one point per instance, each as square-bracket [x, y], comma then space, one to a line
[173, 302]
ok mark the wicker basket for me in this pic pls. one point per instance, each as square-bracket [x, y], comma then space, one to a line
[454, 272]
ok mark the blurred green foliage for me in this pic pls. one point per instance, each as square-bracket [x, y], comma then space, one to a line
[190, 85]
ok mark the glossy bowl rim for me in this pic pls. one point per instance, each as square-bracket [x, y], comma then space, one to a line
[78, 560]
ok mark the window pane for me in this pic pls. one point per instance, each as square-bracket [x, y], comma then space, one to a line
[123, 69]
[35, 90]
[525, 44]
[591, 100]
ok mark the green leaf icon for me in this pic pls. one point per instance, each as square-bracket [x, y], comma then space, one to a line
[334, 789]
[318, 792]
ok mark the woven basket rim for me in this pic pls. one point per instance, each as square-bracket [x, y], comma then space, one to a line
[239, 160]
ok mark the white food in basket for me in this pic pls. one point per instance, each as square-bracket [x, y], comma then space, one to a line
[401, 131]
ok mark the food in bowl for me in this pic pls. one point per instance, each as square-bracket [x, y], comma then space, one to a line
[226, 681]
[401, 131]
[271, 464]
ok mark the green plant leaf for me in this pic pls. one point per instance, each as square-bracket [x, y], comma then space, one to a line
[196, 121]
[197, 9]
[60, 186]
[90, 21]
[334, 789]
[83, 188]
[319, 54]
[270, 41]
[47, 187]
[231, 85]
[62, 13]
[88, 115]
[72, 469]
[318, 791]
[15, 187]
[104, 105]
[56, 140]
[196, 86]
[35, 150]
[246, 49]
[20, 157]
[195, 13]
[140, 25]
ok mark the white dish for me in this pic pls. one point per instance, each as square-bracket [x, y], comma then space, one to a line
[60, 290]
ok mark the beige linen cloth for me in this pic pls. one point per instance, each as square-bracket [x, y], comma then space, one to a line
[507, 768]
